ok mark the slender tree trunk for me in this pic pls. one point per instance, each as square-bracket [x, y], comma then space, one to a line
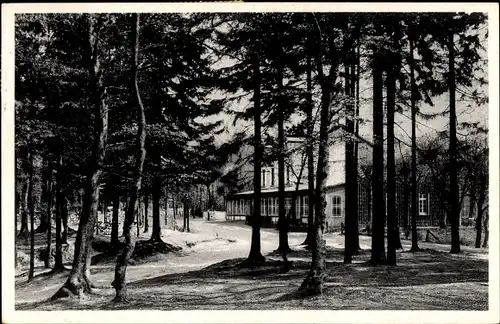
[283, 247]
[454, 208]
[406, 224]
[49, 213]
[23, 231]
[350, 173]
[105, 209]
[479, 227]
[356, 77]
[392, 230]
[121, 264]
[255, 254]
[114, 220]
[486, 230]
[313, 283]
[58, 261]
[414, 193]
[156, 233]
[146, 209]
[378, 219]
[184, 218]
[78, 281]
[174, 205]
[138, 216]
[309, 241]
[209, 199]
[42, 227]
[165, 206]
[472, 204]
[186, 215]
[32, 214]
[369, 203]
[64, 219]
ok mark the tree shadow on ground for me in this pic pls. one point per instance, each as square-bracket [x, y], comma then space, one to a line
[424, 269]
[144, 249]
[424, 280]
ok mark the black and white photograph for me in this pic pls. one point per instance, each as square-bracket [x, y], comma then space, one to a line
[250, 157]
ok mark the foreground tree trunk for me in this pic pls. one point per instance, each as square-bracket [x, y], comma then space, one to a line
[255, 254]
[414, 197]
[392, 230]
[454, 206]
[309, 241]
[283, 246]
[313, 283]
[255, 249]
[121, 264]
[350, 173]
[78, 282]
[31, 201]
[356, 77]
[378, 219]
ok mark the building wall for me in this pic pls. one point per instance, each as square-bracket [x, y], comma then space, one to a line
[429, 214]
[293, 165]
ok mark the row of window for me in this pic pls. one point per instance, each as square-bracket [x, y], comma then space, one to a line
[270, 206]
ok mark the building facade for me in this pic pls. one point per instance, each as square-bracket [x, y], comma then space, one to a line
[239, 205]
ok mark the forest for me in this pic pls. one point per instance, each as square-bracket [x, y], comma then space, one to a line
[120, 112]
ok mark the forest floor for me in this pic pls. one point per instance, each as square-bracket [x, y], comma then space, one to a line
[204, 275]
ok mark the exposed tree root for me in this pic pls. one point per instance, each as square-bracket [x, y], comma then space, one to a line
[75, 286]
[312, 284]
